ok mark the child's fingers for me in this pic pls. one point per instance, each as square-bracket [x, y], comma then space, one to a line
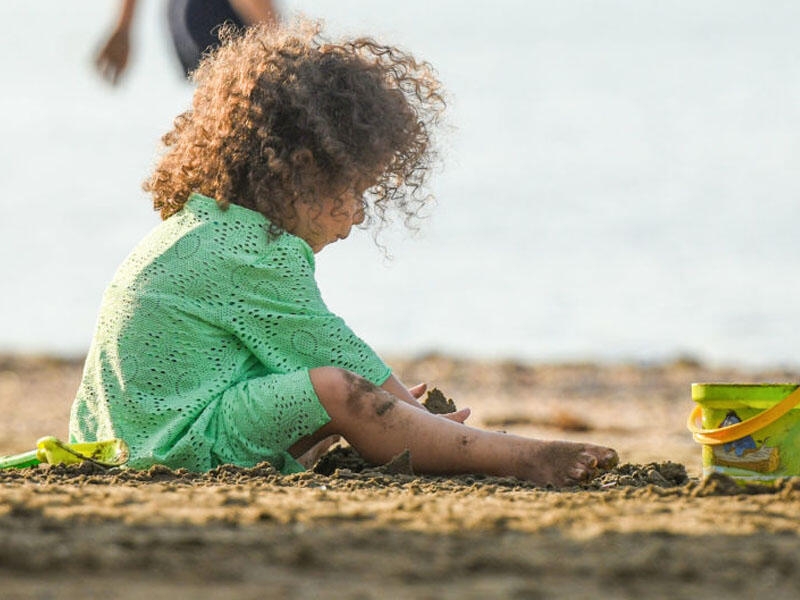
[418, 390]
[459, 416]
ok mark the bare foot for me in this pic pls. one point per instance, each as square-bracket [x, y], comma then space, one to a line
[309, 458]
[562, 464]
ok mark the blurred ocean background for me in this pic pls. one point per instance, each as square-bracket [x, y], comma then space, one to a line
[620, 179]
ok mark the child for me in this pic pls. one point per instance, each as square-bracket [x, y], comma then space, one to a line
[213, 344]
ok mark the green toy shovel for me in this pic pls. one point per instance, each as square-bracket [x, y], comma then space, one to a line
[51, 450]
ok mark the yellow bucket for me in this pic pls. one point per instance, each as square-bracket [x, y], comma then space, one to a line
[750, 432]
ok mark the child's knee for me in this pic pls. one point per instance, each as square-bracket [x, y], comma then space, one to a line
[341, 389]
[328, 382]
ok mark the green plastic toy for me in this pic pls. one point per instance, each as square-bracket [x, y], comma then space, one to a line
[749, 432]
[51, 450]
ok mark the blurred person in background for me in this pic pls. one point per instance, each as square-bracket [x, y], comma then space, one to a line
[193, 26]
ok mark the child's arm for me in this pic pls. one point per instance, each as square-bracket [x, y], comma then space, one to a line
[410, 395]
[276, 310]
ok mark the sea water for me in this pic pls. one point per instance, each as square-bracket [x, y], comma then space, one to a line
[619, 179]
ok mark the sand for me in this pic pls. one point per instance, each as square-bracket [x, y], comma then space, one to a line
[650, 529]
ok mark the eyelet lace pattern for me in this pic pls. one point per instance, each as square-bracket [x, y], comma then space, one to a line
[203, 344]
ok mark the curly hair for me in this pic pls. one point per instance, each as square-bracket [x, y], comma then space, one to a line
[281, 115]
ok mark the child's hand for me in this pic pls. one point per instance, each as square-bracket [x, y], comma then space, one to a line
[418, 390]
[415, 392]
[459, 416]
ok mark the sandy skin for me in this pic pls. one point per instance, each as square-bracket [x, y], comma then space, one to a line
[379, 425]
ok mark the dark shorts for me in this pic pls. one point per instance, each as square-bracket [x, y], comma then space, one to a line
[194, 24]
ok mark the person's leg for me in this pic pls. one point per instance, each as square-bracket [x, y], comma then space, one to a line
[380, 426]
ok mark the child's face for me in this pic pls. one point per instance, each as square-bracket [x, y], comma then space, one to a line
[333, 222]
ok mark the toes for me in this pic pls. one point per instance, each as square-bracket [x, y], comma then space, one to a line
[578, 474]
[604, 458]
[585, 468]
[569, 463]
[608, 460]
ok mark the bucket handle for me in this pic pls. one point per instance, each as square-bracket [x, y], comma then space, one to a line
[731, 433]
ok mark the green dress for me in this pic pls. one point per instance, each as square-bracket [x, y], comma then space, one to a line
[203, 345]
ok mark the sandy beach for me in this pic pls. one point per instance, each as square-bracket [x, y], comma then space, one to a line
[650, 529]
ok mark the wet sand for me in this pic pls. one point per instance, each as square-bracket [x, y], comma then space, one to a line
[650, 529]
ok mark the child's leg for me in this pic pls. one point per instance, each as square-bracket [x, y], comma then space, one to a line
[380, 426]
[309, 457]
